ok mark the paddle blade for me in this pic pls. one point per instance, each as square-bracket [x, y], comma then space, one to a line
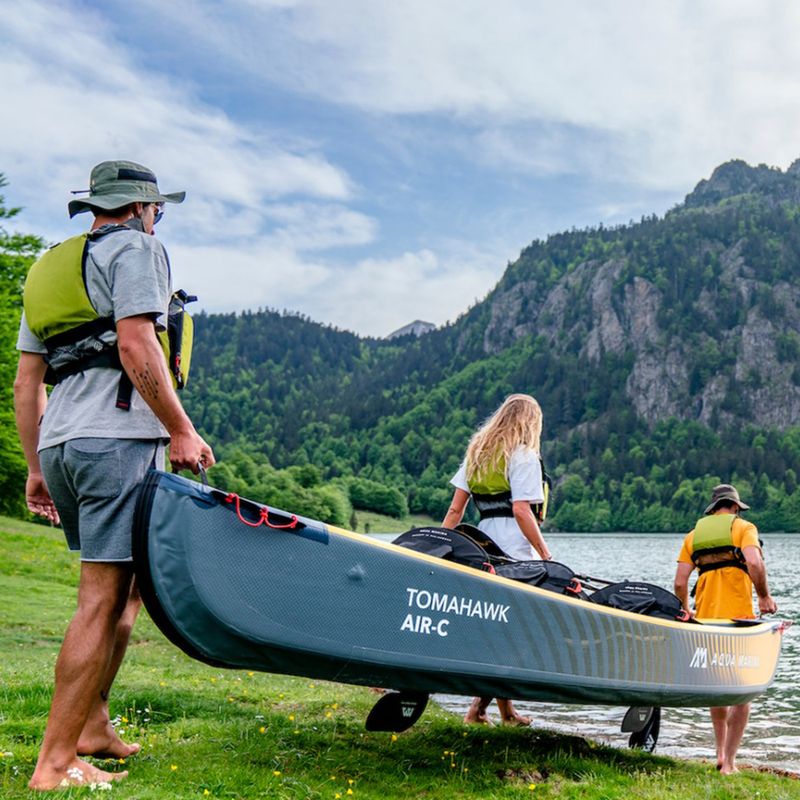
[636, 718]
[645, 724]
[396, 711]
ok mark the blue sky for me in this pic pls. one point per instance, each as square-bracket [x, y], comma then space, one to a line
[368, 163]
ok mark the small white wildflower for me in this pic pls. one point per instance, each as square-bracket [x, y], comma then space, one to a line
[101, 786]
[76, 774]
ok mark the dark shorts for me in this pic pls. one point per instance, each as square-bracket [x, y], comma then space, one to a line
[94, 484]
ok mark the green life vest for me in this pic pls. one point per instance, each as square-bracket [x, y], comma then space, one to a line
[58, 311]
[491, 493]
[712, 544]
[55, 297]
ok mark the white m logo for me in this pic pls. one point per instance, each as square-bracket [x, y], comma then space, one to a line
[700, 658]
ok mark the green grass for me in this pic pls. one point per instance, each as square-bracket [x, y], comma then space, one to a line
[379, 523]
[208, 733]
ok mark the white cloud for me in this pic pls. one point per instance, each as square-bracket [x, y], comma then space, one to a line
[653, 94]
[258, 274]
[372, 296]
[673, 86]
[313, 226]
[384, 294]
[260, 220]
[72, 97]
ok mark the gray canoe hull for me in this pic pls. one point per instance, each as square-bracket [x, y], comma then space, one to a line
[327, 603]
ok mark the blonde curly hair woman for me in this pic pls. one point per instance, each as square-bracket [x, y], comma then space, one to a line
[502, 473]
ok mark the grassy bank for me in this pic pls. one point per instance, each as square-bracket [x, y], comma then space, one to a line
[208, 733]
[371, 522]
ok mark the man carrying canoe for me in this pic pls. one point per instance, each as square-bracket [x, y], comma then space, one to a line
[93, 308]
[726, 551]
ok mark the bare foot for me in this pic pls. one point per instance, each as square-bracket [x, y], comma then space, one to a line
[727, 770]
[518, 721]
[477, 719]
[105, 743]
[76, 773]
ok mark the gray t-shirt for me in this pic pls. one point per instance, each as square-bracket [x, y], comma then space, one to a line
[127, 275]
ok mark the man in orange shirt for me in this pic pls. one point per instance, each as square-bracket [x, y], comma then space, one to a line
[726, 551]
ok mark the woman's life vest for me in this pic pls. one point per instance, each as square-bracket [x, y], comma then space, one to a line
[58, 311]
[712, 544]
[491, 493]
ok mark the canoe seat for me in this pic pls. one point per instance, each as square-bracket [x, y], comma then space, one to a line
[641, 598]
[551, 575]
[495, 552]
[447, 544]
[461, 546]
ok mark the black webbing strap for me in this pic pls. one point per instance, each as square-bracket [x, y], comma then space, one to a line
[494, 513]
[124, 392]
[108, 358]
[721, 565]
[735, 558]
[105, 358]
[92, 328]
[493, 505]
[701, 570]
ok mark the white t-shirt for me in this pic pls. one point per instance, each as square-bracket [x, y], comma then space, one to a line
[524, 473]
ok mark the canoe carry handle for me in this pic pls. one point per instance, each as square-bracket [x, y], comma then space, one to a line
[202, 472]
[263, 515]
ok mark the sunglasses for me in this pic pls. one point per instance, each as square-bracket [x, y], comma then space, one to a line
[159, 212]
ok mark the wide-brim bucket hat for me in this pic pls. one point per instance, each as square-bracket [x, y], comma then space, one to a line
[114, 184]
[725, 492]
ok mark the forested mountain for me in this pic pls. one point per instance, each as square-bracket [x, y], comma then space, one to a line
[664, 354]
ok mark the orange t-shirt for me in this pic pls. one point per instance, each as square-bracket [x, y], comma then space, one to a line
[728, 592]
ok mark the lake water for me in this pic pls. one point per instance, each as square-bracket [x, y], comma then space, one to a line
[773, 734]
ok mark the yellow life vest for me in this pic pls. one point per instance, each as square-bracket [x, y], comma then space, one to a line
[491, 493]
[58, 311]
[712, 544]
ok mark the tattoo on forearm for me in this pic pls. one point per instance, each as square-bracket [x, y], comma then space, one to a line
[146, 382]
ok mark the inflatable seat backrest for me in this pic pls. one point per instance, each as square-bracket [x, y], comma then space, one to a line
[641, 598]
[496, 554]
[551, 575]
[447, 544]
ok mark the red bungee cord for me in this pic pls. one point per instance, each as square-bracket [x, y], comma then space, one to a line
[263, 515]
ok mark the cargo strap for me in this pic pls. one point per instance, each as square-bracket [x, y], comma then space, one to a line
[491, 506]
[711, 558]
[105, 358]
[263, 515]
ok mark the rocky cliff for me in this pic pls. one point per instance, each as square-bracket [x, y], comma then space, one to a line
[704, 304]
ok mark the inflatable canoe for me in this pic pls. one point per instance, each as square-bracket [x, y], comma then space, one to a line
[235, 584]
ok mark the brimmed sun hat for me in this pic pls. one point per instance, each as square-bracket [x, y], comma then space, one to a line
[114, 184]
[726, 492]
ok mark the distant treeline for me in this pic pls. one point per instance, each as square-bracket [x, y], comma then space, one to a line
[320, 422]
[17, 252]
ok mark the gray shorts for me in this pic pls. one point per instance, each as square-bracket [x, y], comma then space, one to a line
[94, 484]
